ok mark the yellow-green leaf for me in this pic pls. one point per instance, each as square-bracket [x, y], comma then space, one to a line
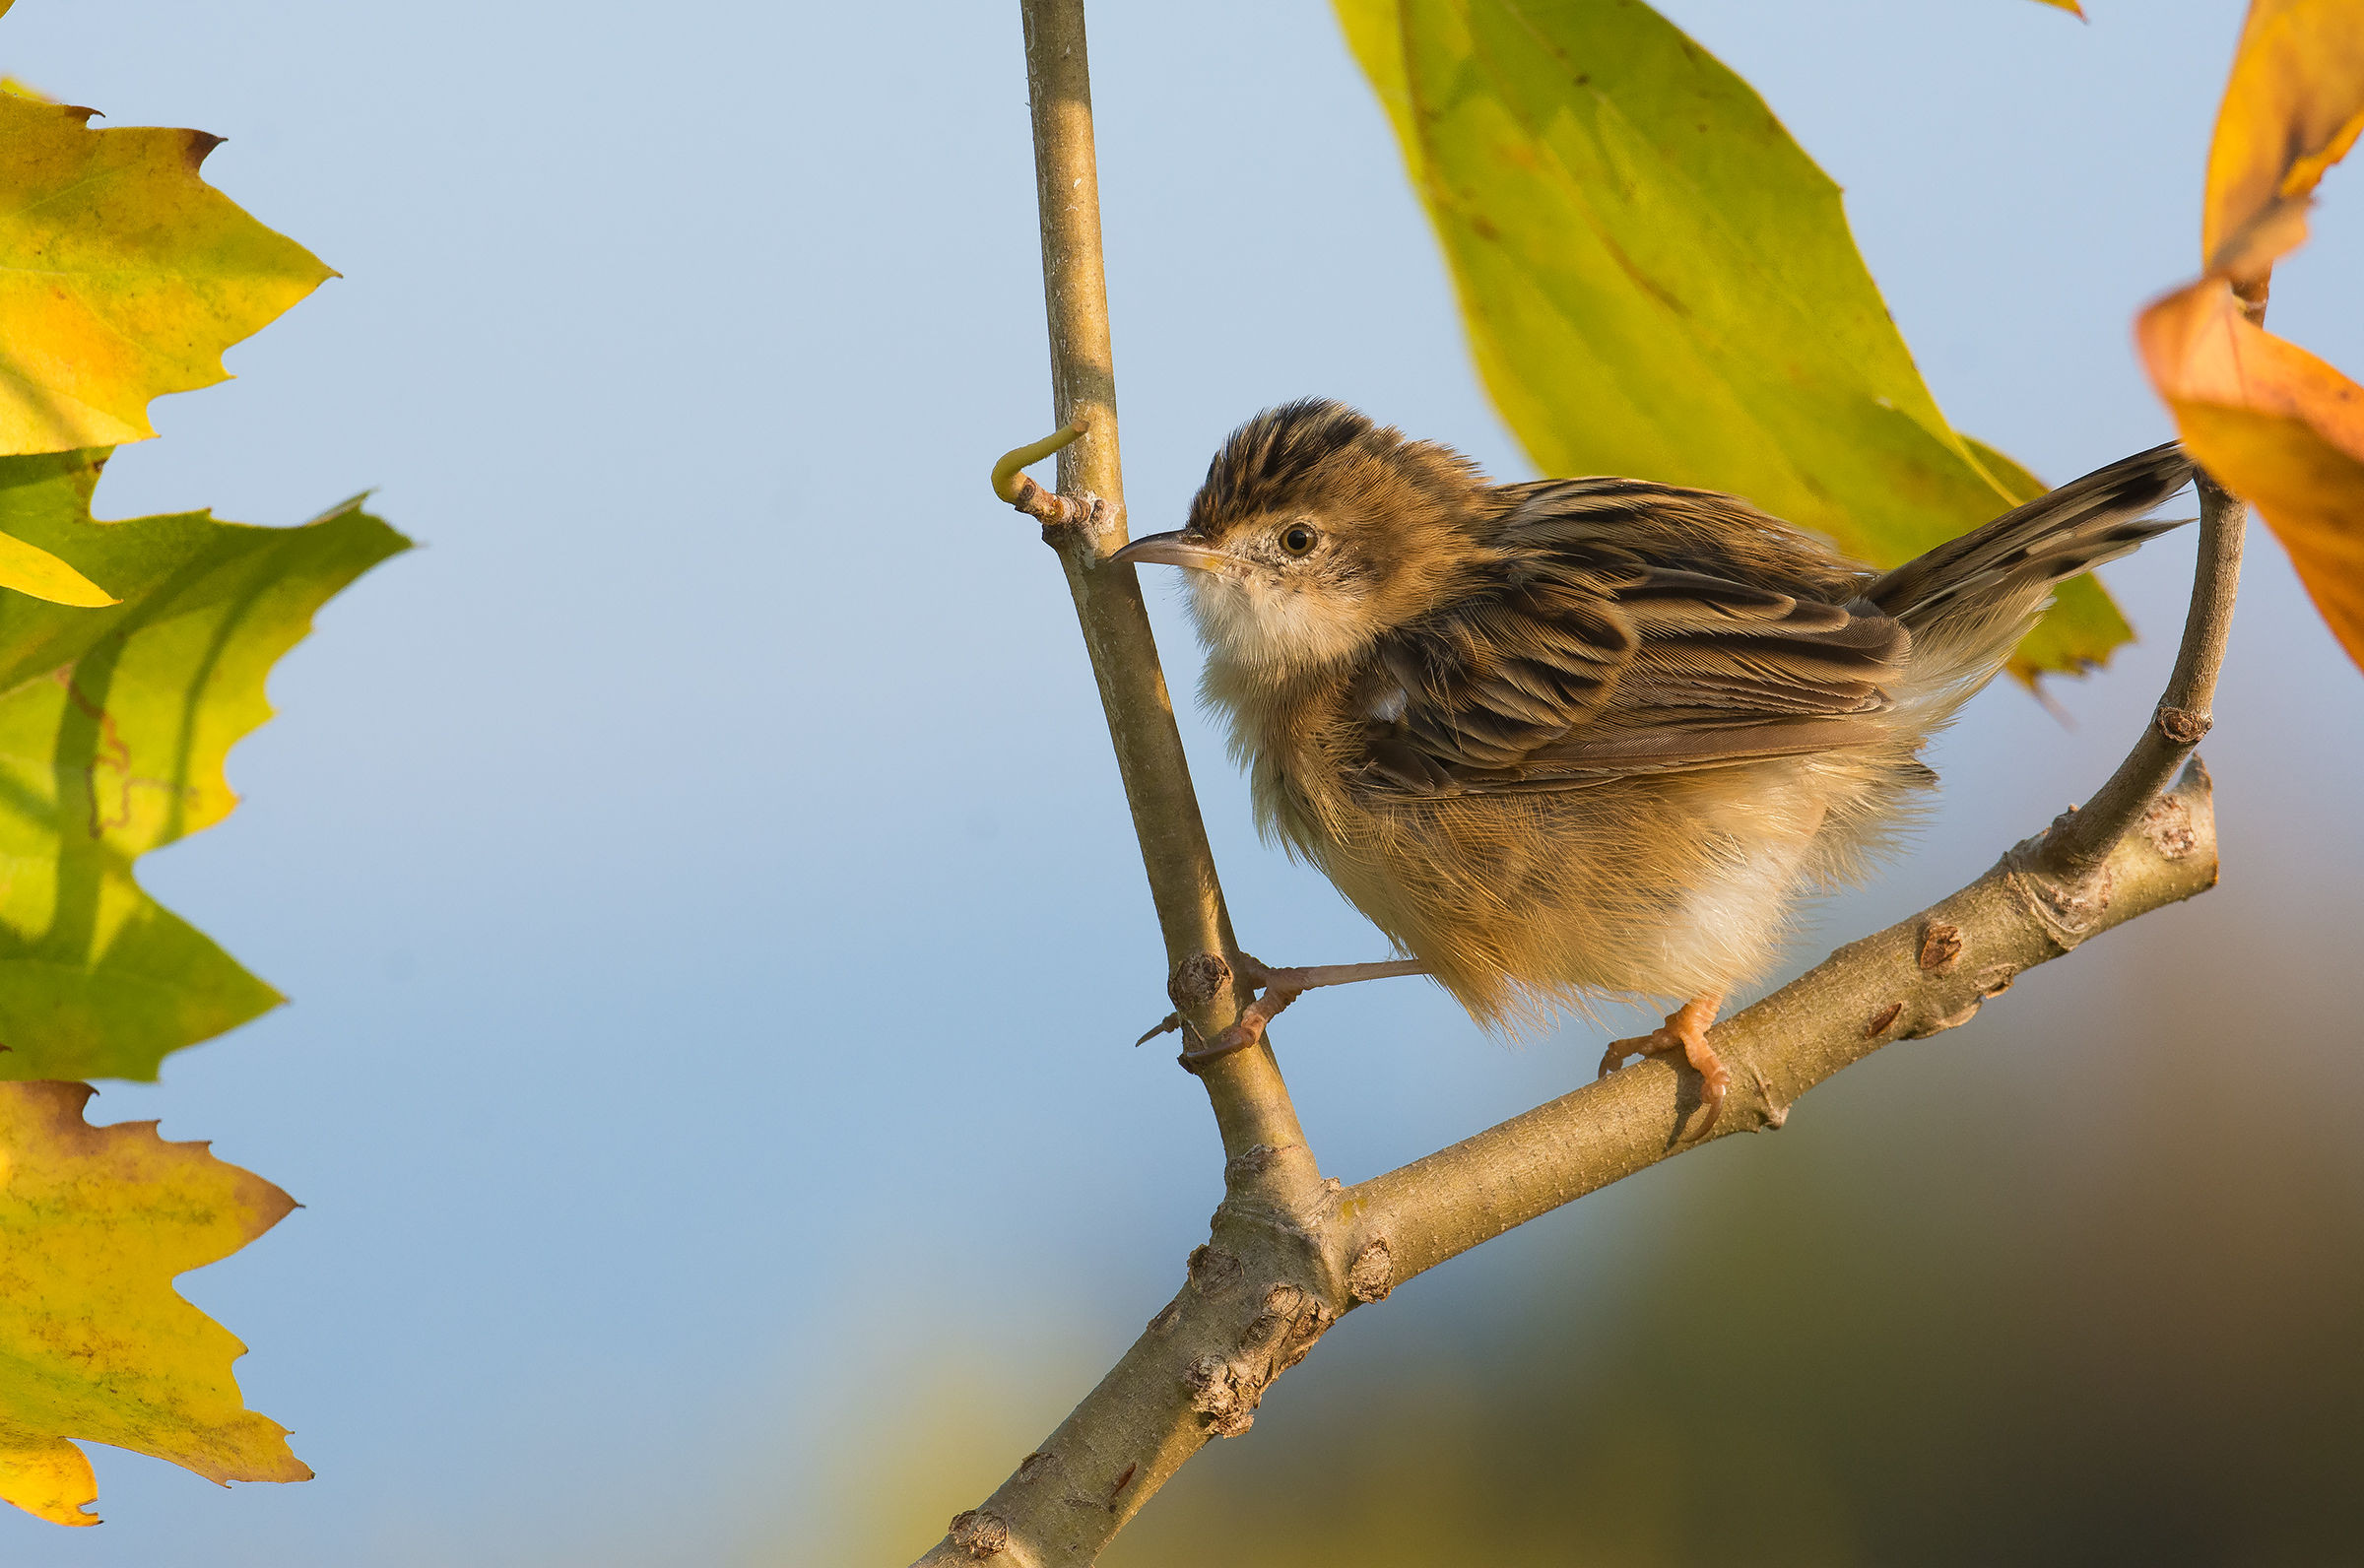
[94, 1343]
[113, 727]
[30, 569]
[124, 276]
[1657, 280]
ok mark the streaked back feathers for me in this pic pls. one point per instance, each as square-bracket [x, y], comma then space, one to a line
[1589, 735]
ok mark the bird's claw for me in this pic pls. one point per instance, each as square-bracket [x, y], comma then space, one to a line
[1280, 987]
[1684, 1031]
[1249, 1029]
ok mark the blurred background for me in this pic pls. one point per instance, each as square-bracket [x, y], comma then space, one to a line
[716, 937]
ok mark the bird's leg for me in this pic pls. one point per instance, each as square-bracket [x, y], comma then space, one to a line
[1280, 987]
[1684, 1030]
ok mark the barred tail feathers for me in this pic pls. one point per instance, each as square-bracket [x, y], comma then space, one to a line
[1968, 602]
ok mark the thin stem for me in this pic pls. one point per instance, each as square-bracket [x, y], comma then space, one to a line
[2080, 840]
[1251, 1102]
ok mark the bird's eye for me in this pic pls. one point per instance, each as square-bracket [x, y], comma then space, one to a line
[1297, 539]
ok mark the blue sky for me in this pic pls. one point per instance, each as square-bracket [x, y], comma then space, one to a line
[713, 926]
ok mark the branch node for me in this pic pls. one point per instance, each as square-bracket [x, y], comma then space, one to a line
[1052, 511]
[2169, 828]
[1057, 514]
[1373, 1274]
[2182, 726]
[2069, 909]
[1031, 1467]
[1085, 518]
[1279, 1336]
[1226, 1389]
[1212, 1270]
[1881, 1021]
[979, 1533]
[1282, 1334]
[1215, 1395]
[1941, 946]
[1197, 980]
[1249, 1164]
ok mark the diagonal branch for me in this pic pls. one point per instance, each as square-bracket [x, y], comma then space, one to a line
[1919, 977]
[1273, 1278]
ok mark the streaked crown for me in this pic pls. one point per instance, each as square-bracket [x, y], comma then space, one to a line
[1323, 529]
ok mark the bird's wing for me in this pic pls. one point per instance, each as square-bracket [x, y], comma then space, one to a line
[1631, 631]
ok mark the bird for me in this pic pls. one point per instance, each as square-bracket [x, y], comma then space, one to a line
[1576, 741]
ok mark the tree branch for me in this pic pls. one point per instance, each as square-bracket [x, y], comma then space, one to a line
[1251, 1102]
[1917, 978]
[2081, 838]
[1290, 1253]
[1272, 1280]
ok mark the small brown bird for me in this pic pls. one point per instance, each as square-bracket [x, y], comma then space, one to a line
[1588, 738]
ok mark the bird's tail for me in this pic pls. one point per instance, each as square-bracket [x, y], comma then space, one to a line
[1968, 602]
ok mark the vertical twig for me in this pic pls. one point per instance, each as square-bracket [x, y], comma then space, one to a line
[1251, 1102]
[2080, 841]
[1119, 1446]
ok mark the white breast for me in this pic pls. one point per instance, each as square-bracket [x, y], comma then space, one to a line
[1251, 621]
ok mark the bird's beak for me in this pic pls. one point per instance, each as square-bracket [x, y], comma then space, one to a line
[1180, 547]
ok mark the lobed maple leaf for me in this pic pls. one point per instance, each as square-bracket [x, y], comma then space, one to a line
[114, 724]
[123, 275]
[94, 1343]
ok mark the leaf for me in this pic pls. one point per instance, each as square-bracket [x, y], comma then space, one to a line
[2070, 6]
[114, 724]
[95, 1342]
[2292, 109]
[2275, 425]
[32, 570]
[1658, 281]
[2267, 420]
[124, 276]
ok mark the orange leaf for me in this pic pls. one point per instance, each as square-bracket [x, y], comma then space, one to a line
[2292, 109]
[2275, 425]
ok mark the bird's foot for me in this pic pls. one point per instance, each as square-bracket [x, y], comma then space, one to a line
[1684, 1030]
[1280, 987]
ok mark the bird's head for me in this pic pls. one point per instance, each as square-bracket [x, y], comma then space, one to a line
[1318, 531]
